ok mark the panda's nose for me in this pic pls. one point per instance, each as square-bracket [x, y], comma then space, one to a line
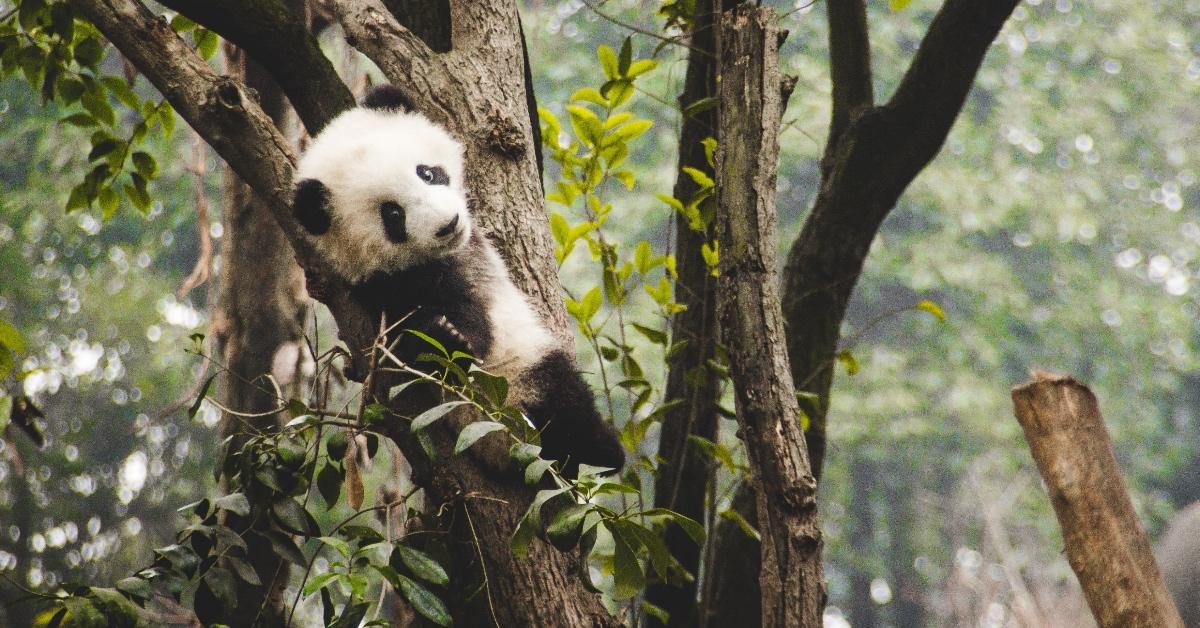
[449, 228]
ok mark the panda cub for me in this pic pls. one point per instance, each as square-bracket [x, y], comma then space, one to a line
[381, 191]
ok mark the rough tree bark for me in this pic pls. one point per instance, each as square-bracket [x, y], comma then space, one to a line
[259, 327]
[685, 472]
[1106, 544]
[477, 91]
[751, 98]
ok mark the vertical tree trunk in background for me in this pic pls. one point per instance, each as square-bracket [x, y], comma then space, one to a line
[751, 105]
[1105, 542]
[260, 329]
[732, 596]
[685, 472]
[908, 604]
[861, 609]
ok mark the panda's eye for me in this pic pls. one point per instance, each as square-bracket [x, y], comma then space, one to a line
[433, 175]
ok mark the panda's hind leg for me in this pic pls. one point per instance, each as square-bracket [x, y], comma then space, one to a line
[564, 409]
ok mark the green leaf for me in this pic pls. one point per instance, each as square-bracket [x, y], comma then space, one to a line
[122, 91]
[699, 177]
[352, 616]
[89, 52]
[206, 42]
[429, 416]
[586, 124]
[899, 5]
[145, 164]
[103, 148]
[626, 56]
[697, 106]
[110, 202]
[11, 338]
[559, 227]
[741, 522]
[284, 547]
[589, 94]
[638, 68]
[424, 602]
[675, 203]
[233, 502]
[653, 335]
[847, 359]
[567, 525]
[473, 432]
[221, 583]
[319, 582]
[341, 546]
[591, 304]
[420, 564]
[81, 120]
[137, 587]
[329, 484]
[292, 517]
[633, 130]
[628, 578]
[932, 308]
[608, 62]
[537, 469]
[531, 521]
[430, 340]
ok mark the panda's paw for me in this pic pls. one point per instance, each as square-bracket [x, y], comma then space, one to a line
[450, 330]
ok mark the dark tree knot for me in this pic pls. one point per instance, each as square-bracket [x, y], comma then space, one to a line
[503, 135]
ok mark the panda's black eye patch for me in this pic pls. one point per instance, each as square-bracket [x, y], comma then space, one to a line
[393, 217]
[433, 175]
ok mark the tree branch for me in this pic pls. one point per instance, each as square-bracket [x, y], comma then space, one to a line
[372, 29]
[280, 41]
[937, 82]
[849, 62]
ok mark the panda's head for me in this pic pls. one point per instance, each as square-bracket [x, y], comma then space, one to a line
[381, 189]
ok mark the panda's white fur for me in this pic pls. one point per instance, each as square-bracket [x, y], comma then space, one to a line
[449, 279]
[368, 156]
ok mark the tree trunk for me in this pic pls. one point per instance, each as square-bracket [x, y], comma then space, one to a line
[1106, 544]
[732, 596]
[685, 473]
[862, 610]
[259, 325]
[751, 104]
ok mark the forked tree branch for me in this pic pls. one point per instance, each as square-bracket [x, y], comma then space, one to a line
[400, 53]
[937, 82]
[279, 40]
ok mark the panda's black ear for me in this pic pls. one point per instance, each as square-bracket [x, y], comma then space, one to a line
[387, 97]
[311, 206]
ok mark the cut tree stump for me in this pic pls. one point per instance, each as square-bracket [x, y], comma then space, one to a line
[1106, 544]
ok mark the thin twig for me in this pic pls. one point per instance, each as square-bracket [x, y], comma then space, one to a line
[676, 41]
[487, 588]
[201, 271]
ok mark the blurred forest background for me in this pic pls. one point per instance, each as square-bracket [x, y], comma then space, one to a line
[1057, 229]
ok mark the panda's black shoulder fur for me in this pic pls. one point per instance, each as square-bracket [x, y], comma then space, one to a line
[416, 298]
